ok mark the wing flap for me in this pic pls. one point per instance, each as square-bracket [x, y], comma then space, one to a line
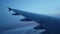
[38, 27]
[25, 19]
[15, 14]
[45, 32]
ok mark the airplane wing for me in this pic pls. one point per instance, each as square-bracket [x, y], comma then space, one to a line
[48, 23]
[25, 19]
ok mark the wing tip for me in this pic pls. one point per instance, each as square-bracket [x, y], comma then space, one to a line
[9, 8]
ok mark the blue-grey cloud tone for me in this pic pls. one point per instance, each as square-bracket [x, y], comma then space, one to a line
[46, 7]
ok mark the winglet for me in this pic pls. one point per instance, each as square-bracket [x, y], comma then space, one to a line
[9, 8]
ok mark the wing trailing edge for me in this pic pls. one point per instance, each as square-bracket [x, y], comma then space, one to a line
[15, 13]
[25, 19]
[38, 27]
[45, 32]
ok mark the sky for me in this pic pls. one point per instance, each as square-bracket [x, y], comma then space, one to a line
[45, 7]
